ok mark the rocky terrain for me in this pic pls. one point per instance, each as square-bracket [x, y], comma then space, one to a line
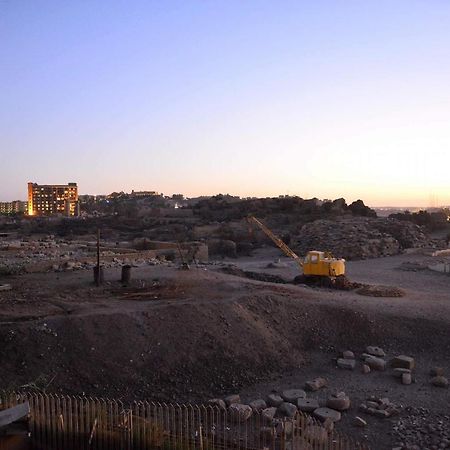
[360, 238]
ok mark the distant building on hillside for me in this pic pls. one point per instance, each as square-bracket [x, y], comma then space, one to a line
[53, 199]
[144, 194]
[15, 207]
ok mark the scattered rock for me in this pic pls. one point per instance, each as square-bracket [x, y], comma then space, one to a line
[234, 398]
[307, 404]
[339, 402]
[327, 413]
[348, 364]
[376, 363]
[406, 378]
[268, 414]
[348, 355]
[359, 422]
[375, 351]
[217, 402]
[274, 400]
[292, 395]
[439, 381]
[398, 372]
[381, 413]
[258, 405]
[365, 369]
[379, 407]
[316, 384]
[240, 412]
[287, 410]
[404, 362]
[437, 371]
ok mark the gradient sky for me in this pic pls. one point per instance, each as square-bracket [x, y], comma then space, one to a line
[315, 98]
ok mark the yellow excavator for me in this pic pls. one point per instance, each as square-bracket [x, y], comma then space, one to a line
[317, 267]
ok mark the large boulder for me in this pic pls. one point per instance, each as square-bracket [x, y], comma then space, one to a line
[287, 410]
[240, 412]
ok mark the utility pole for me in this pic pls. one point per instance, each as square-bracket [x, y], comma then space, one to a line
[98, 271]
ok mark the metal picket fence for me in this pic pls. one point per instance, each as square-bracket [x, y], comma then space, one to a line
[62, 422]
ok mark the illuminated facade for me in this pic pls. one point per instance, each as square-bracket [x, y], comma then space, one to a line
[16, 207]
[53, 199]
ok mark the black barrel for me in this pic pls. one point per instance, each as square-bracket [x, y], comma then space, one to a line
[126, 274]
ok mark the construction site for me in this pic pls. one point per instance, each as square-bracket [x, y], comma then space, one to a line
[334, 314]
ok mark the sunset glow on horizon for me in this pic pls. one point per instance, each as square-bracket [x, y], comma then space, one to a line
[316, 99]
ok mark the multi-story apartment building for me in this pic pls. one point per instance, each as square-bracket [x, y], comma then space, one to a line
[53, 199]
[15, 207]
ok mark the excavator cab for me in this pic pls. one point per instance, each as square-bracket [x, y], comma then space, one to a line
[322, 264]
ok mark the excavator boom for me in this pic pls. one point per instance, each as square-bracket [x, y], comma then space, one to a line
[276, 240]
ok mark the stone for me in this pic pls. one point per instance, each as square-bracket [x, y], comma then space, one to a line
[258, 405]
[359, 422]
[307, 404]
[316, 384]
[404, 362]
[381, 413]
[234, 398]
[341, 403]
[274, 400]
[365, 369]
[240, 412]
[217, 402]
[376, 363]
[348, 364]
[439, 381]
[348, 355]
[406, 378]
[375, 351]
[5, 287]
[372, 404]
[292, 395]
[327, 413]
[286, 410]
[392, 410]
[437, 371]
[363, 407]
[398, 372]
[268, 414]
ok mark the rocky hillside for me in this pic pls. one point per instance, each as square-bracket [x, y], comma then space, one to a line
[359, 237]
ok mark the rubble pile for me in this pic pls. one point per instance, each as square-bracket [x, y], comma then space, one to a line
[278, 407]
[359, 237]
[419, 429]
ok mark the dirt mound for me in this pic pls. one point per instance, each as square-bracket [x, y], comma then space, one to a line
[213, 334]
[267, 277]
[380, 291]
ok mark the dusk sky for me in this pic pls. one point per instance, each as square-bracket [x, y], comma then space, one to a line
[254, 98]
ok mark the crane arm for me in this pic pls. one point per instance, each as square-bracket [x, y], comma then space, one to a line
[276, 240]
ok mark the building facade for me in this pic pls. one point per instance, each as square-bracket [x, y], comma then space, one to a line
[15, 207]
[53, 199]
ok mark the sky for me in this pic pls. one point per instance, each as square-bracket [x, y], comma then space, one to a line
[316, 98]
